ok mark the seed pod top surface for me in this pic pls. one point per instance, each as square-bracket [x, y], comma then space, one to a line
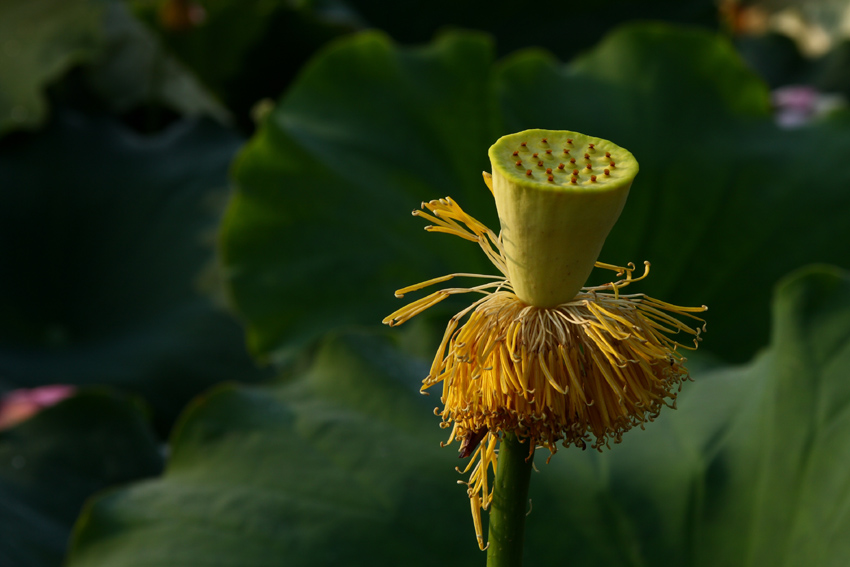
[512, 156]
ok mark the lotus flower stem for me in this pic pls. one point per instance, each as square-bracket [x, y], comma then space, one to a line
[510, 503]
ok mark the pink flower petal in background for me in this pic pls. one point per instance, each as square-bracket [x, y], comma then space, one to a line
[19, 405]
[797, 105]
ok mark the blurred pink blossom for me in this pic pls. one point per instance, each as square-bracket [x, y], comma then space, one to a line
[19, 405]
[797, 105]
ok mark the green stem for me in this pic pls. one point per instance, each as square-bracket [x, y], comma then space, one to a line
[510, 504]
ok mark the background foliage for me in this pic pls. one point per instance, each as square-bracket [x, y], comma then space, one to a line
[185, 179]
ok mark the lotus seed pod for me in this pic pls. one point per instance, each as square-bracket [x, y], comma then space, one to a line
[555, 223]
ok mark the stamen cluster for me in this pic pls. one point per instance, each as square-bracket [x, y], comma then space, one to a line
[581, 373]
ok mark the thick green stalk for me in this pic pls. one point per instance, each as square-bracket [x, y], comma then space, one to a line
[510, 504]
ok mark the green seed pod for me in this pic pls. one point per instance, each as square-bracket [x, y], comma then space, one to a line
[558, 194]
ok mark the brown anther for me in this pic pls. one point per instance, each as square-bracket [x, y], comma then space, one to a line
[560, 166]
[534, 155]
[607, 154]
[519, 162]
[515, 153]
[539, 164]
[590, 146]
[589, 166]
[551, 179]
[573, 180]
[575, 172]
[572, 160]
[522, 144]
[607, 172]
[548, 170]
[593, 178]
[545, 141]
[528, 172]
[548, 151]
[586, 156]
[470, 442]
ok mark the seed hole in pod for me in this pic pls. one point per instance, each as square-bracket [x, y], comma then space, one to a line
[539, 164]
[523, 144]
[515, 154]
[572, 160]
[534, 154]
[560, 166]
[575, 172]
[608, 154]
[551, 179]
[593, 178]
[548, 170]
[528, 172]
[548, 151]
[544, 140]
[607, 172]
[519, 162]
[589, 166]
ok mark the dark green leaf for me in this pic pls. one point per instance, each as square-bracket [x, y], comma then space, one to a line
[135, 70]
[749, 471]
[318, 235]
[106, 243]
[335, 171]
[39, 41]
[52, 462]
[775, 57]
[341, 466]
[564, 29]
[726, 203]
[244, 50]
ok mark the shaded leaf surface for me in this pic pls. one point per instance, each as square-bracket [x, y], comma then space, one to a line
[341, 465]
[109, 238]
[135, 70]
[246, 50]
[52, 462]
[748, 471]
[334, 171]
[561, 29]
[318, 235]
[41, 39]
[726, 202]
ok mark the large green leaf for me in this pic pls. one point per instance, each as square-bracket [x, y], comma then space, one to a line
[749, 471]
[51, 463]
[320, 230]
[106, 241]
[726, 201]
[41, 39]
[340, 465]
[318, 234]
